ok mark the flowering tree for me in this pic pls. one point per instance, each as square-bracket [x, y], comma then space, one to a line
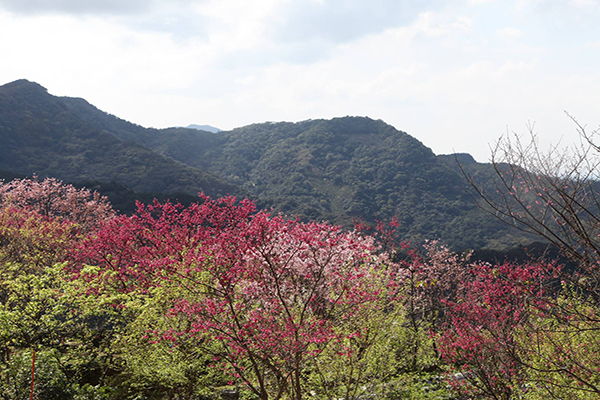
[39, 310]
[513, 332]
[480, 335]
[32, 241]
[272, 293]
[30, 246]
[554, 195]
[52, 198]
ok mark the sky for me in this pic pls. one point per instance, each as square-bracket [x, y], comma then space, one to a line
[455, 74]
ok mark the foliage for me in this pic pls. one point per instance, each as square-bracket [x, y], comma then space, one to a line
[186, 301]
[511, 334]
[271, 293]
[346, 169]
[53, 199]
[562, 351]
[51, 381]
[38, 307]
[88, 341]
[553, 195]
[73, 141]
[338, 170]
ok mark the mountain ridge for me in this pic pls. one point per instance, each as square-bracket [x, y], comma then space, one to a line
[340, 170]
[207, 128]
[72, 140]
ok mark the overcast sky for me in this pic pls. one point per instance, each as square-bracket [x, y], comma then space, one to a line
[455, 74]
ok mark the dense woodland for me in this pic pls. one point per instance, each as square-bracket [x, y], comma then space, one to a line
[341, 171]
[332, 275]
[221, 300]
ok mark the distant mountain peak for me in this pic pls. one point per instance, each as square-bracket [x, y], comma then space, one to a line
[337, 170]
[70, 139]
[460, 158]
[24, 85]
[206, 128]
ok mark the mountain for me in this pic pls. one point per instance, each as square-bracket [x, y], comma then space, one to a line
[206, 128]
[347, 169]
[341, 170]
[70, 139]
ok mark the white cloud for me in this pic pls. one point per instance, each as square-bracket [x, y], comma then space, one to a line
[431, 24]
[584, 3]
[446, 72]
[509, 33]
[343, 21]
[86, 7]
[75, 6]
[238, 24]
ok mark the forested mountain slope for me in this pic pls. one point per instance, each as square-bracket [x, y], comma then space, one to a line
[341, 170]
[346, 169]
[72, 140]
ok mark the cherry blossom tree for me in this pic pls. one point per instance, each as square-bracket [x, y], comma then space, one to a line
[36, 311]
[552, 194]
[514, 331]
[53, 198]
[480, 334]
[272, 293]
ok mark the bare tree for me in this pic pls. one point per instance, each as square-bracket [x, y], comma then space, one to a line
[554, 194]
[551, 193]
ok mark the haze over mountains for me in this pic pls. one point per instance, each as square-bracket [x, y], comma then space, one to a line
[339, 170]
[206, 128]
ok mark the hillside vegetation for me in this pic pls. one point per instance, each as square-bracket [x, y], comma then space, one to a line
[219, 300]
[345, 170]
[52, 136]
[342, 170]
